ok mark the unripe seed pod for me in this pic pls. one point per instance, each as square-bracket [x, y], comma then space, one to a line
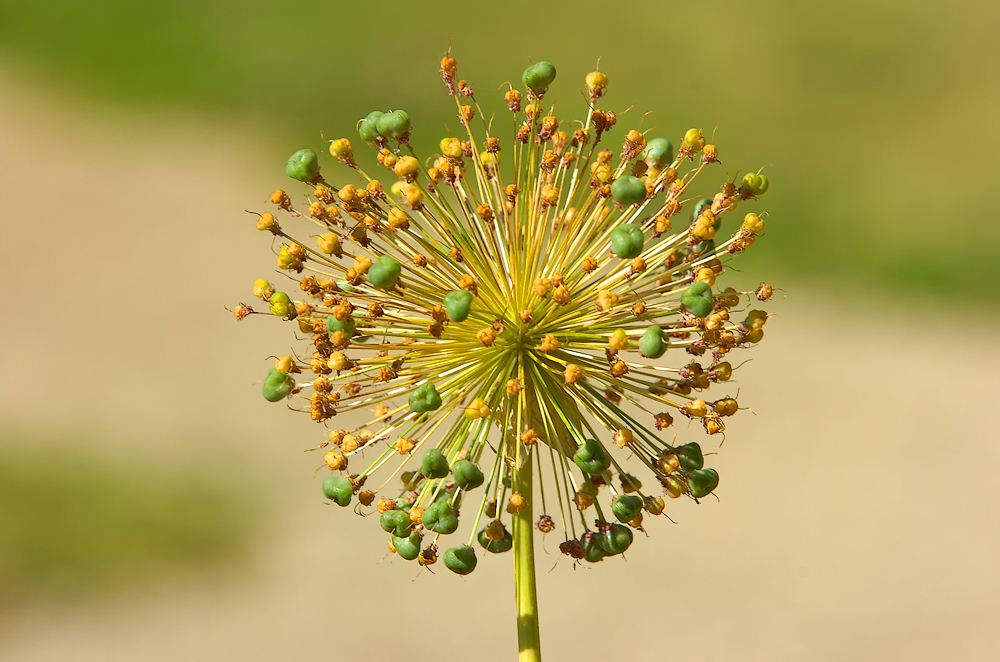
[394, 124]
[628, 190]
[495, 545]
[755, 183]
[338, 489]
[277, 385]
[426, 398]
[702, 483]
[626, 507]
[303, 165]
[690, 456]
[658, 153]
[384, 272]
[539, 76]
[468, 476]
[280, 304]
[652, 344]
[616, 539]
[593, 552]
[697, 299]
[626, 241]
[434, 464]
[409, 547]
[592, 458]
[440, 517]
[460, 560]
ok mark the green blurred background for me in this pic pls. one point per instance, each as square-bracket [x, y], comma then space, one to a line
[140, 466]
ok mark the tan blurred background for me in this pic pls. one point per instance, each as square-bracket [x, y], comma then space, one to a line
[154, 507]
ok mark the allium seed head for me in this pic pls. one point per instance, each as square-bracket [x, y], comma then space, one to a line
[501, 315]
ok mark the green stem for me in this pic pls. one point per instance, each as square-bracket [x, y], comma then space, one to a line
[529, 644]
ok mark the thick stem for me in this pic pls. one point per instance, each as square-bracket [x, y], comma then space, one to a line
[529, 645]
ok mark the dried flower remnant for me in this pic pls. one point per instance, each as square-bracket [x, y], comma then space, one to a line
[509, 307]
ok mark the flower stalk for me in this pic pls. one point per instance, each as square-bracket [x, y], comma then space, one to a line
[526, 595]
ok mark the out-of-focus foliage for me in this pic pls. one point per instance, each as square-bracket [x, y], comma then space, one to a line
[72, 524]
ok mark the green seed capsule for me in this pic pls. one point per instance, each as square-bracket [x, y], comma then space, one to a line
[368, 129]
[395, 124]
[277, 385]
[408, 547]
[467, 475]
[658, 153]
[697, 299]
[626, 507]
[303, 165]
[592, 458]
[626, 241]
[756, 184]
[702, 483]
[368, 132]
[280, 304]
[496, 546]
[396, 522]
[690, 456]
[593, 552]
[628, 190]
[458, 304]
[347, 325]
[460, 560]
[386, 521]
[434, 464]
[425, 398]
[384, 272]
[440, 518]
[651, 344]
[616, 539]
[338, 489]
[539, 76]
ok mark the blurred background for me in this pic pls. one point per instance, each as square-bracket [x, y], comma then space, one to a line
[153, 506]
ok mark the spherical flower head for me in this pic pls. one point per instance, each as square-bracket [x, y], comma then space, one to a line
[559, 308]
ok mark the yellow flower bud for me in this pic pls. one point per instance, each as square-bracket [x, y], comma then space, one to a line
[618, 340]
[478, 409]
[451, 147]
[407, 167]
